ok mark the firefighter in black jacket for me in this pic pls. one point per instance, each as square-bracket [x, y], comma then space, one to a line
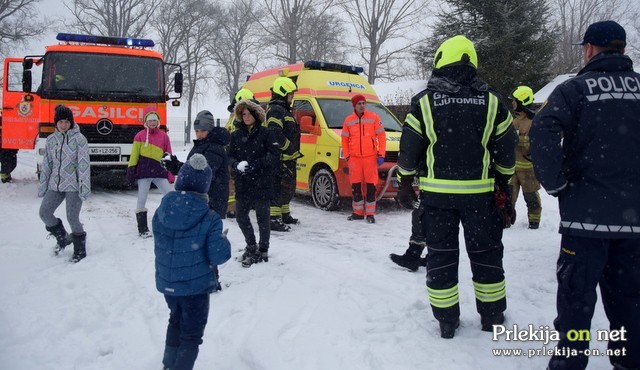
[287, 132]
[585, 145]
[459, 134]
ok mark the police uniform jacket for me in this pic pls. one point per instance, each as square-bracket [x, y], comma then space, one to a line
[461, 134]
[585, 146]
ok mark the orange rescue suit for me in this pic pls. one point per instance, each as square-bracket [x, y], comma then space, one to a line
[363, 141]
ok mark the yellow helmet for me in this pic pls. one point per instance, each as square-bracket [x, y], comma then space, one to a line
[243, 93]
[283, 86]
[457, 49]
[523, 94]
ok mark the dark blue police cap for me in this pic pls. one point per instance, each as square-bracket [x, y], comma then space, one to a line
[602, 33]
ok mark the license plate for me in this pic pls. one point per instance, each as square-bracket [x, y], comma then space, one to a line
[104, 151]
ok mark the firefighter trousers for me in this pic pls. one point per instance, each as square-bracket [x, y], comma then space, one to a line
[583, 264]
[483, 238]
[525, 179]
[284, 187]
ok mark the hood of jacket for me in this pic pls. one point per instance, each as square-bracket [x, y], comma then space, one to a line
[72, 131]
[451, 79]
[253, 107]
[182, 210]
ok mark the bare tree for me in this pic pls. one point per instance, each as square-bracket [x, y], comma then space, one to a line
[18, 24]
[120, 18]
[237, 48]
[284, 24]
[573, 18]
[170, 38]
[197, 22]
[322, 38]
[379, 21]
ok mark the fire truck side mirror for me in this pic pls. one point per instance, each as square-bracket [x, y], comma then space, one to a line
[26, 81]
[177, 83]
[27, 64]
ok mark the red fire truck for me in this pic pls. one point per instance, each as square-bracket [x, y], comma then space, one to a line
[107, 82]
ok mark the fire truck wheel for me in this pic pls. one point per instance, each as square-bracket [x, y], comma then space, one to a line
[324, 190]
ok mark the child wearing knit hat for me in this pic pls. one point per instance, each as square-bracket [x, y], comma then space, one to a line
[189, 244]
[145, 167]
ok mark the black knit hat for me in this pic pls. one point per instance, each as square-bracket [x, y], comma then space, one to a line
[63, 113]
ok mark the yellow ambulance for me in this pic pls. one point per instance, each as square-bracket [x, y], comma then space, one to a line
[320, 105]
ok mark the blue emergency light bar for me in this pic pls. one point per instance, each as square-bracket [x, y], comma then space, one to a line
[314, 64]
[106, 40]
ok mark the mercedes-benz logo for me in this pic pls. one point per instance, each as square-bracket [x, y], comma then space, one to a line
[104, 126]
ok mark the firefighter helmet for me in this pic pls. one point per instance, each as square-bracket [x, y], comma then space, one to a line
[456, 50]
[283, 86]
[523, 95]
[243, 93]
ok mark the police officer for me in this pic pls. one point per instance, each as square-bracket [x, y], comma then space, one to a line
[524, 177]
[286, 130]
[585, 149]
[460, 135]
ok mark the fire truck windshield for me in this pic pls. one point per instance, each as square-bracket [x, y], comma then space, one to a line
[102, 77]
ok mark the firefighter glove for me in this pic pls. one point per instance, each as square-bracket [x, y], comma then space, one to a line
[505, 207]
[380, 161]
[406, 195]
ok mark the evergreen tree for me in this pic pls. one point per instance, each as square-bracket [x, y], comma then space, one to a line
[512, 39]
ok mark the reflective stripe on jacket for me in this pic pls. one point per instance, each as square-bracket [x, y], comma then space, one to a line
[462, 139]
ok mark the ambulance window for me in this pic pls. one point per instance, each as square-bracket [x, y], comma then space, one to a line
[303, 108]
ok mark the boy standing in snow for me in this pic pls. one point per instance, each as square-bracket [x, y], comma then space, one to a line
[149, 146]
[65, 176]
[189, 244]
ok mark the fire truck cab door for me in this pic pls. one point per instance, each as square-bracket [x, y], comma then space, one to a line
[20, 118]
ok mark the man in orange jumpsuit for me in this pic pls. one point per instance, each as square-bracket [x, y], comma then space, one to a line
[363, 145]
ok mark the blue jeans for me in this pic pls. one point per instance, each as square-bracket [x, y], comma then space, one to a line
[187, 320]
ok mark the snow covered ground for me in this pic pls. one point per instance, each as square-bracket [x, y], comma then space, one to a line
[329, 298]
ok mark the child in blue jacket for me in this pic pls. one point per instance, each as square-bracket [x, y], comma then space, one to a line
[189, 244]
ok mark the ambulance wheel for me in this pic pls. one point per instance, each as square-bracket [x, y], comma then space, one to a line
[324, 190]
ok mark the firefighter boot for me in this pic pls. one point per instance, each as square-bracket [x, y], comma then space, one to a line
[62, 237]
[143, 228]
[79, 246]
[448, 329]
[278, 225]
[287, 219]
[355, 217]
[410, 259]
[488, 321]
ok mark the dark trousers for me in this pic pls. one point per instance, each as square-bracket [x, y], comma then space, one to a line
[284, 184]
[243, 206]
[187, 320]
[483, 238]
[8, 160]
[219, 199]
[614, 264]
